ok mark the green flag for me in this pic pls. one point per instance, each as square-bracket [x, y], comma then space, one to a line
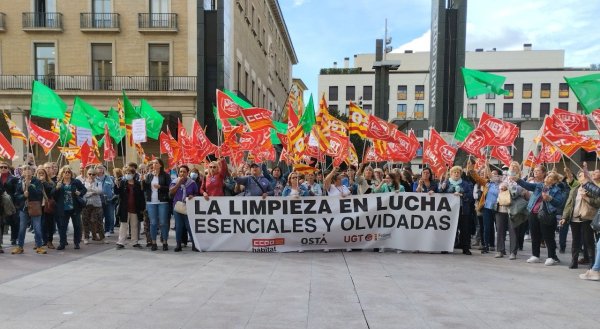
[479, 83]
[463, 129]
[154, 120]
[46, 103]
[217, 119]
[587, 91]
[280, 127]
[86, 116]
[130, 111]
[101, 142]
[64, 133]
[308, 118]
[114, 129]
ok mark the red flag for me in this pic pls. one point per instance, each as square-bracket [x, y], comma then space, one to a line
[188, 153]
[372, 156]
[45, 138]
[109, 151]
[252, 140]
[379, 129]
[596, 118]
[549, 154]
[433, 159]
[500, 133]
[568, 144]
[575, 122]
[227, 108]
[201, 143]
[258, 118]
[444, 151]
[169, 145]
[503, 154]
[6, 149]
[264, 154]
[87, 155]
[475, 142]
[304, 169]
[531, 160]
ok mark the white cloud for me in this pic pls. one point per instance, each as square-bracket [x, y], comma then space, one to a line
[569, 25]
[298, 3]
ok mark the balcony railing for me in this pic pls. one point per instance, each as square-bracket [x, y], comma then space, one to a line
[2, 20]
[99, 21]
[40, 21]
[108, 83]
[157, 22]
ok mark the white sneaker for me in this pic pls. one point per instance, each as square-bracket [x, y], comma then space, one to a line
[381, 250]
[534, 259]
[348, 250]
[590, 275]
[300, 251]
[86, 241]
[325, 250]
[107, 234]
[550, 262]
[498, 255]
[512, 257]
[398, 251]
[527, 237]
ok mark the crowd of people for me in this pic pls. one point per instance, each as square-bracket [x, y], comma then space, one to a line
[147, 197]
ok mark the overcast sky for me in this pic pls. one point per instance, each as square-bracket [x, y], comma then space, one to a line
[326, 31]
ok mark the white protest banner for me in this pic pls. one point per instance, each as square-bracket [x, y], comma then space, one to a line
[138, 130]
[83, 135]
[406, 221]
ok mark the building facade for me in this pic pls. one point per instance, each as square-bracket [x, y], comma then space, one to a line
[533, 77]
[149, 48]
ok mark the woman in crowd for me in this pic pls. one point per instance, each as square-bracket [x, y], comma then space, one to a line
[426, 183]
[377, 176]
[313, 187]
[579, 211]
[334, 187]
[554, 197]
[118, 175]
[183, 189]
[517, 222]
[68, 194]
[463, 189]
[276, 178]
[389, 184]
[132, 203]
[214, 181]
[156, 189]
[593, 191]
[487, 204]
[48, 222]
[293, 188]
[91, 215]
[365, 179]
[406, 180]
[28, 202]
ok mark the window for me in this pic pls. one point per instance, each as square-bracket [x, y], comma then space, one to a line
[563, 90]
[350, 93]
[507, 112]
[563, 105]
[367, 108]
[252, 92]
[239, 76]
[472, 111]
[474, 97]
[367, 93]
[401, 111]
[490, 108]
[333, 108]
[402, 91]
[158, 64]
[527, 90]
[511, 91]
[526, 110]
[102, 66]
[246, 81]
[545, 90]
[419, 92]
[544, 109]
[333, 93]
[101, 13]
[419, 111]
[158, 9]
[45, 64]
[579, 108]
[490, 96]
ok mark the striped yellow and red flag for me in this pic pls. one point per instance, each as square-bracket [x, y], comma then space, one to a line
[322, 125]
[358, 121]
[15, 131]
[304, 168]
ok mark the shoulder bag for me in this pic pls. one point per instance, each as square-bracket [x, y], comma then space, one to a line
[545, 216]
[504, 198]
[8, 207]
[180, 206]
[595, 224]
[49, 204]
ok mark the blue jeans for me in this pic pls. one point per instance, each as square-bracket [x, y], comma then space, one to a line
[562, 236]
[488, 227]
[158, 213]
[63, 223]
[109, 217]
[182, 221]
[596, 266]
[37, 228]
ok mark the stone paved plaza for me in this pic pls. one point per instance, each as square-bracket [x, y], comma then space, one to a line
[100, 287]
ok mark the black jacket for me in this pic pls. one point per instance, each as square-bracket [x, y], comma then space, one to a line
[140, 202]
[10, 186]
[59, 196]
[164, 180]
[35, 193]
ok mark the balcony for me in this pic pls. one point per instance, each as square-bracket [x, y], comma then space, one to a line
[2, 22]
[40, 21]
[149, 22]
[99, 22]
[98, 83]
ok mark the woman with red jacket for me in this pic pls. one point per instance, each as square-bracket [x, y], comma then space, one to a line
[214, 182]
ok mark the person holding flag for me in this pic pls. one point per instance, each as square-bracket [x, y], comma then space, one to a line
[463, 189]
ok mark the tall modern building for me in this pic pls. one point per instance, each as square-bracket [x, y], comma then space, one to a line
[173, 53]
[533, 77]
